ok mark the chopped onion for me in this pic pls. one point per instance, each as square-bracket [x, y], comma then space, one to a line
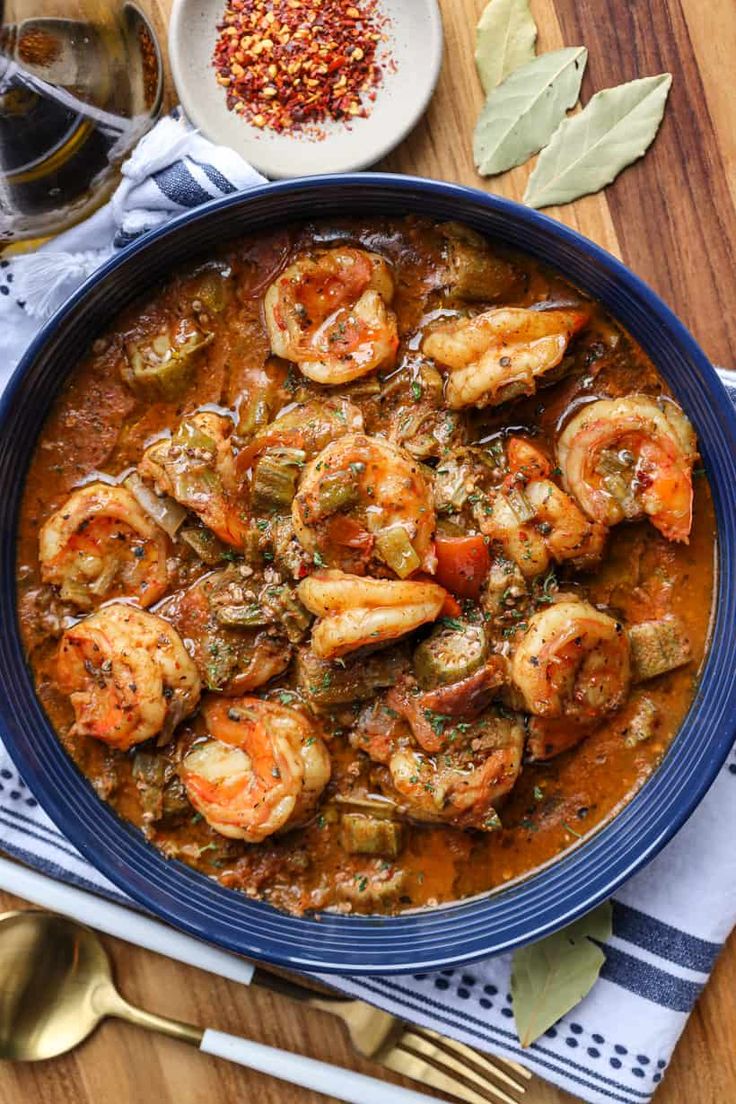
[520, 504]
[165, 511]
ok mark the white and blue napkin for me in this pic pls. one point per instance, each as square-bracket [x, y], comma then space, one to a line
[670, 921]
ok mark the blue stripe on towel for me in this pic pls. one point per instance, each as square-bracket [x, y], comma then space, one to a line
[38, 826]
[66, 876]
[649, 981]
[663, 940]
[123, 238]
[48, 841]
[487, 1031]
[178, 185]
[215, 176]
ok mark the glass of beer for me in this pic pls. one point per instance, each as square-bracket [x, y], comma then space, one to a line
[80, 83]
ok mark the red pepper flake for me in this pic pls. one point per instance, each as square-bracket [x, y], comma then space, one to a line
[294, 65]
[38, 47]
[150, 64]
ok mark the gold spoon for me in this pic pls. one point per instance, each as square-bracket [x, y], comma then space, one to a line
[56, 986]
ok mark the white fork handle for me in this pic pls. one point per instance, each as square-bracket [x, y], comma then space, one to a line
[120, 921]
[308, 1072]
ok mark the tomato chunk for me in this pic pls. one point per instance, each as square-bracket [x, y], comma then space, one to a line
[462, 564]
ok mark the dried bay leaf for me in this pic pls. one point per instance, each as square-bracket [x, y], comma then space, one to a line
[589, 150]
[550, 977]
[526, 108]
[597, 924]
[504, 40]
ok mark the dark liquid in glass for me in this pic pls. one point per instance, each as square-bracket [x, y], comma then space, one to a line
[74, 98]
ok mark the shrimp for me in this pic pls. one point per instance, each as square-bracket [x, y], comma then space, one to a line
[196, 467]
[568, 534]
[101, 545]
[533, 520]
[462, 786]
[573, 661]
[328, 312]
[358, 613]
[501, 353]
[262, 769]
[631, 457]
[363, 502]
[128, 676]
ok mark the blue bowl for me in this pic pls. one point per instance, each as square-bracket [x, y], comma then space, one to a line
[429, 938]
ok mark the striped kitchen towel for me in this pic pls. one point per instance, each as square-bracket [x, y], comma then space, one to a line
[670, 920]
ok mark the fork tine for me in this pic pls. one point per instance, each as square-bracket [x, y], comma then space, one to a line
[450, 1065]
[483, 1063]
[521, 1070]
[416, 1067]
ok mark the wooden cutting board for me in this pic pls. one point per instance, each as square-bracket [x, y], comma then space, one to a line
[671, 218]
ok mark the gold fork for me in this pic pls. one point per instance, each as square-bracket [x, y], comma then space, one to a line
[416, 1052]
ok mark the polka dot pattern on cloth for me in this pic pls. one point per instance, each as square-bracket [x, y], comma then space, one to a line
[600, 1050]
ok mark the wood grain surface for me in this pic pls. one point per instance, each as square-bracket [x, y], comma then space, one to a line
[670, 217]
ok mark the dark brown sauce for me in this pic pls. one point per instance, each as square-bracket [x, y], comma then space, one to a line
[97, 425]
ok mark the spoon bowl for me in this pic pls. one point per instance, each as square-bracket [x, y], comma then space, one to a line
[50, 973]
[56, 985]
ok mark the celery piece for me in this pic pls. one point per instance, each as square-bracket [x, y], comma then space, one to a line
[275, 478]
[189, 436]
[203, 542]
[396, 550]
[364, 835]
[520, 504]
[254, 415]
[213, 289]
[337, 490]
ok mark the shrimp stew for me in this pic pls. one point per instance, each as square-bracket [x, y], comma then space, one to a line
[366, 566]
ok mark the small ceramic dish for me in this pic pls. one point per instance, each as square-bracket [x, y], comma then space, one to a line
[412, 56]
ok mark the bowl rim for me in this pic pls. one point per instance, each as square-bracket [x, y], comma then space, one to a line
[463, 931]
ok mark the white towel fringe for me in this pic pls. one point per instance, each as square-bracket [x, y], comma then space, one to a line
[44, 280]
